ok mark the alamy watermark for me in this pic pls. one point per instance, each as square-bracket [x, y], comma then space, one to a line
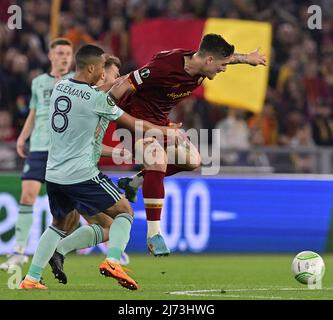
[15, 20]
[315, 20]
[14, 281]
[315, 282]
[189, 149]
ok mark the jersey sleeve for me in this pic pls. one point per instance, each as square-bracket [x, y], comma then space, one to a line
[106, 107]
[33, 99]
[155, 72]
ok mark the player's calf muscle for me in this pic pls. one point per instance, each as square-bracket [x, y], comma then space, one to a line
[122, 206]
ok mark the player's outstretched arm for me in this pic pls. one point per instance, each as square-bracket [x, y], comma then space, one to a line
[129, 122]
[25, 133]
[121, 86]
[253, 58]
[106, 87]
[111, 152]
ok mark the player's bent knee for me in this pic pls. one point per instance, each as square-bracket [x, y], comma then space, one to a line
[123, 206]
[151, 153]
[72, 221]
[102, 219]
[156, 158]
[60, 224]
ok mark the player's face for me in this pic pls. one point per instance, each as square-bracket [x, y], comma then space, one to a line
[214, 66]
[97, 70]
[61, 58]
[109, 76]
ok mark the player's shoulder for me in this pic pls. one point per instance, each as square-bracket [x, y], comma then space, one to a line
[78, 83]
[68, 75]
[172, 59]
[101, 95]
[41, 78]
[174, 53]
[97, 90]
[63, 81]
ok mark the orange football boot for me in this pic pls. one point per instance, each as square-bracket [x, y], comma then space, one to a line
[28, 284]
[115, 270]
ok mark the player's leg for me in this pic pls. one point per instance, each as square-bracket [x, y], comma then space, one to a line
[153, 190]
[131, 185]
[96, 232]
[181, 157]
[119, 236]
[155, 163]
[30, 191]
[97, 195]
[100, 195]
[46, 247]
[57, 260]
[61, 205]
[32, 179]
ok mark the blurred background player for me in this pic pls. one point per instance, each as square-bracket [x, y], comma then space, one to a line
[150, 93]
[36, 128]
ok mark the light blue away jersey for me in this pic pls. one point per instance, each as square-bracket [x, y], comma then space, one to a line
[75, 112]
[41, 89]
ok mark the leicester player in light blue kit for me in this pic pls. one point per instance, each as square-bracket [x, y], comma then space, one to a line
[86, 236]
[79, 116]
[37, 128]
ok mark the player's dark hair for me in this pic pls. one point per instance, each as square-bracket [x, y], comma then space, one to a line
[60, 42]
[112, 60]
[215, 45]
[86, 54]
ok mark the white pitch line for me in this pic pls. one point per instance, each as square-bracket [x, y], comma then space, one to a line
[255, 297]
[225, 293]
[276, 289]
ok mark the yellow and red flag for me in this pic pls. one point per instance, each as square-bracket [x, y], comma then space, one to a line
[242, 86]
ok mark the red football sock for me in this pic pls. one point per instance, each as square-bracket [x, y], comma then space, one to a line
[153, 194]
[173, 169]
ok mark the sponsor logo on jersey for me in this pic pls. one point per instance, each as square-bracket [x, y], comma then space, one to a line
[175, 96]
[145, 73]
[110, 101]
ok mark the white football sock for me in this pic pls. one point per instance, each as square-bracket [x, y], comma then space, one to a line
[137, 181]
[154, 227]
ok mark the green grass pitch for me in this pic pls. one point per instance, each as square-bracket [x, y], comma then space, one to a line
[180, 277]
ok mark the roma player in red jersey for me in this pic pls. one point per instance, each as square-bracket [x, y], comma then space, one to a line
[150, 93]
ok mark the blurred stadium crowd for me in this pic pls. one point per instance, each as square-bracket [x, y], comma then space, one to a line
[298, 108]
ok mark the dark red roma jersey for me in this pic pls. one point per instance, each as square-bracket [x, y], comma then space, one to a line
[159, 86]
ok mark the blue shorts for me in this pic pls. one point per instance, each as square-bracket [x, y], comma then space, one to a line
[90, 197]
[35, 166]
